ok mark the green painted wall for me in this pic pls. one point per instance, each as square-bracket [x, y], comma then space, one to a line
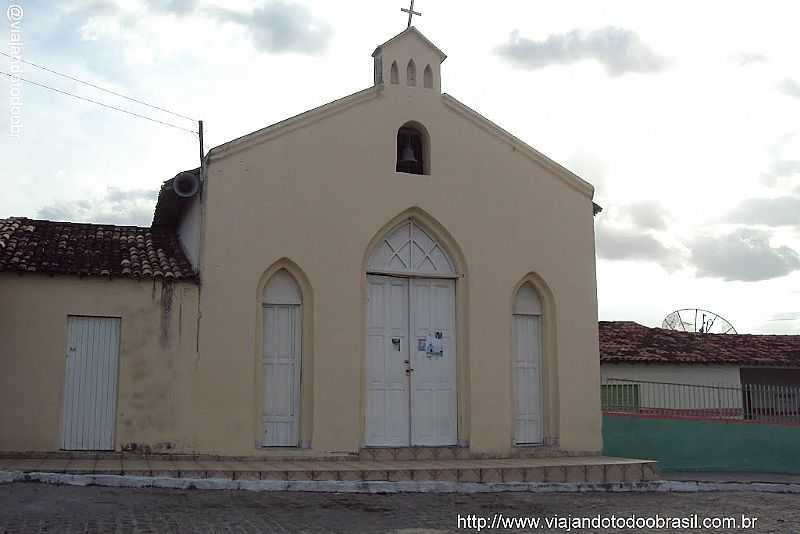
[684, 445]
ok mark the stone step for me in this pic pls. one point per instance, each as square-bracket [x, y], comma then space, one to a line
[414, 453]
[371, 453]
[567, 469]
[547, 452]
[299, 455]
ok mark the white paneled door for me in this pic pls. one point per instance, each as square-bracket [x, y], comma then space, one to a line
[281, 375]
[433, 379]
[411, 386]
[90, 385]
[527, 369]
[387, 361]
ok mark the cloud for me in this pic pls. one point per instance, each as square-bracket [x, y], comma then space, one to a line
[619, 243]
[631, 232]
[782, 168]
[177, 7]
[779, 167]
[790, 87]
[281, 27]
[779, 211]
[745, 59]
[786, 316]
[117, 206]
[592, 169]
[648, 214]
[619, 50]
[743, 255]
[111, 8]
[783, 323]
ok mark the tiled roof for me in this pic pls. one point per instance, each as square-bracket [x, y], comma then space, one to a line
[32, 246]
[629, 342]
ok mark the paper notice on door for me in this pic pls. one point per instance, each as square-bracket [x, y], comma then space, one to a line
[434, 346]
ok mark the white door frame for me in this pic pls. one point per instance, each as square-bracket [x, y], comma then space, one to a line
[411, 354]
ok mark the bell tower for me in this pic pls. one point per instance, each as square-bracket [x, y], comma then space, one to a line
[410, 61]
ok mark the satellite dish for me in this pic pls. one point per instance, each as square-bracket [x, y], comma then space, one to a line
[186, 184]
[697, 321]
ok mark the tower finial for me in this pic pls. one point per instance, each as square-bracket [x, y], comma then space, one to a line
[410, 12]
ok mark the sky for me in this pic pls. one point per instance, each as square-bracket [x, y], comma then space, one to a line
[684, 115]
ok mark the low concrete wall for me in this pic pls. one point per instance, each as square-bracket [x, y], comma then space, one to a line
[700, 375]
[692, 445]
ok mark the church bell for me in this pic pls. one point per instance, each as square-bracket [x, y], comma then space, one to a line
[407, 156]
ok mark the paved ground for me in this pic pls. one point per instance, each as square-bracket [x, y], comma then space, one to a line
[26, 507]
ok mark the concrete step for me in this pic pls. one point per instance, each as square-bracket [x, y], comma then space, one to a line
[462, 453]
[414, 453]
[288, 454]
[302, 455]
[593, 469]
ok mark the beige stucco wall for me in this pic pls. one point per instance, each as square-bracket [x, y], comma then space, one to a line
[310, 195]
[155, 367]
[317, 192]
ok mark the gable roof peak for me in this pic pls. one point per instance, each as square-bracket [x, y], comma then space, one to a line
[411, 31]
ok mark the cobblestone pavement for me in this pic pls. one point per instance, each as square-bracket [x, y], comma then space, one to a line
[26, 507]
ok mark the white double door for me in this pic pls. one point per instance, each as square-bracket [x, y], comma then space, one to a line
[411, 362]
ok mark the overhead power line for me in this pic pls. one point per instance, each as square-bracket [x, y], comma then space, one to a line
[97, 86]
[100, 103]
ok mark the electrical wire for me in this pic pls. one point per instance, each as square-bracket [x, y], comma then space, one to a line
[100, 103]
[96, 86]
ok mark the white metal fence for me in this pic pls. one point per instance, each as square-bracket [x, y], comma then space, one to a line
[755, 402]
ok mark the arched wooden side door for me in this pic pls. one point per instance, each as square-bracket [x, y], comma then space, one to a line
[282, 358]
[526, 332]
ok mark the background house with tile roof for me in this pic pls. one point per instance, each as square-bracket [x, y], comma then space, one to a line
[701, 402]
[633, 351]
[669, 369]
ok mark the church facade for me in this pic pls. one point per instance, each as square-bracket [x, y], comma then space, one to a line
[391, 269]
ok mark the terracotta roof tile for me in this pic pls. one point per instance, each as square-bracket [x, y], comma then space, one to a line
[34, 246]
[629, 342]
